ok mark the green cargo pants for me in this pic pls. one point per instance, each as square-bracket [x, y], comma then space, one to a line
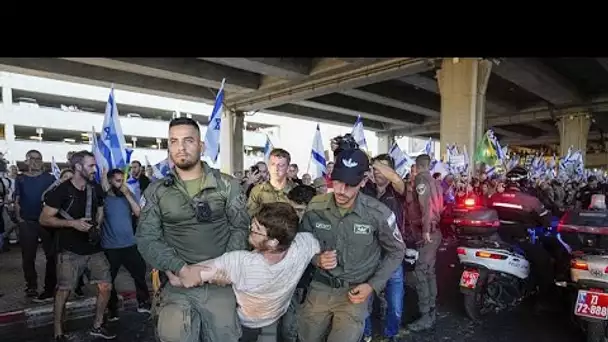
[201, 314]
[328, 308]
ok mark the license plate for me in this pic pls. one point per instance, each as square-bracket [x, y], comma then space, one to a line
[469, 279]
[592, 305]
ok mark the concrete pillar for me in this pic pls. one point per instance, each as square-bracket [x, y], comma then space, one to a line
[231, 142]
[573, 132]
[385, 142]
[462, 85]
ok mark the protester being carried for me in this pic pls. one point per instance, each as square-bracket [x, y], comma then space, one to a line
[264, 279]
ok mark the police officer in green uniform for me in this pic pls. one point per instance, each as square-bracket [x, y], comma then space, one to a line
[430, 199]
[361, 247]
[194, 214]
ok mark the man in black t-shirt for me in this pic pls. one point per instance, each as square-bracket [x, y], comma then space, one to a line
[75, 209]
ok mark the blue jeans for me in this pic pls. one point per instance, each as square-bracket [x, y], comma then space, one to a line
[393, 293]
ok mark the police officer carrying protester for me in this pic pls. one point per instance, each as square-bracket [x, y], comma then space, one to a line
[361, 248]
[192, 215]
[430, 199]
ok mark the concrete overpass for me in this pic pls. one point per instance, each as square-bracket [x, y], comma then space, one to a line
[528, 101]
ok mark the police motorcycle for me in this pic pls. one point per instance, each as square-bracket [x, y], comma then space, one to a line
[585, 232]
[496, 275]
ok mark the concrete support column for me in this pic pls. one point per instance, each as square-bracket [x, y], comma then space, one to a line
[573, 132]
[7, 96]
[462, 85]
[231, 142]
[385, 142]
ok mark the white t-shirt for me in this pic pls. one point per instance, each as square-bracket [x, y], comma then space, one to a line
[263, 291]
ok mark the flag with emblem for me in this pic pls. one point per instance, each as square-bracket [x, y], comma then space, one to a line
[486, 152]
[212, 136]
[401, 159]
[358, 133]
[318, 154]
[267, 149]
[112, 137]
[54, 168]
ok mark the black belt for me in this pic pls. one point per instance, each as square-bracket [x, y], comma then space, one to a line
[329, 280]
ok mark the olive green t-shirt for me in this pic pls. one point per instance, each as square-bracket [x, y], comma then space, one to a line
[193, 186]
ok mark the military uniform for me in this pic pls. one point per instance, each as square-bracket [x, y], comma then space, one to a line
[369, 249]
[266, 193]
[176, 229]
[430, 198]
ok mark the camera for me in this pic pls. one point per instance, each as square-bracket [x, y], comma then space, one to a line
[94, 234]
[344, 142]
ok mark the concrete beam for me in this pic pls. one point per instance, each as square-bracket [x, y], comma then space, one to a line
[538, 79]
[324, 116]
[87, 74]
[542, 140]
[509, 133]
[285, 68]
[430, 84]
[603, 62]
[543, 126]
[330, 82]
[185, 70]
[354, 107]
[387, 101]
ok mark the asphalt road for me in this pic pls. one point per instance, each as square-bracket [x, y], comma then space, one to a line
[520, 324]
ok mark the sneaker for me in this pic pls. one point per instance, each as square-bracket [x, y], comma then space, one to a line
[45, 297]
[78, 292]
[31, 292]
[102, 332]
[144, 307]
[113, 315]
[61, 338]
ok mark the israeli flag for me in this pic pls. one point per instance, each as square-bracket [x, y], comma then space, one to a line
[267, 149]
[359, 134]
[101, 152]
[112, 137]
[54, 168]
[212, 137]
[402, 160]
[318, 154]
[159, 170]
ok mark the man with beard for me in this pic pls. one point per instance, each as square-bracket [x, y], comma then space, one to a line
[29, 188]
[194, 214]
[361, 247]
[75, 209]
[118, 240]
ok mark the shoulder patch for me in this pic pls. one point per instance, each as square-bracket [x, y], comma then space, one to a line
[391, 220]
[397, 234]
[421, 188]
[321, 198]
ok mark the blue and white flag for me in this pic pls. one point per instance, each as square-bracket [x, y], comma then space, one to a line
[318, 154]
[54, 168]
[102, 154]
[401, 159]
[112, 137]
[159, 170]
[267, 149]
[212, 136]
[359, 134]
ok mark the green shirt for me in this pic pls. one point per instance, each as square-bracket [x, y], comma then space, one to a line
[193, 186]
